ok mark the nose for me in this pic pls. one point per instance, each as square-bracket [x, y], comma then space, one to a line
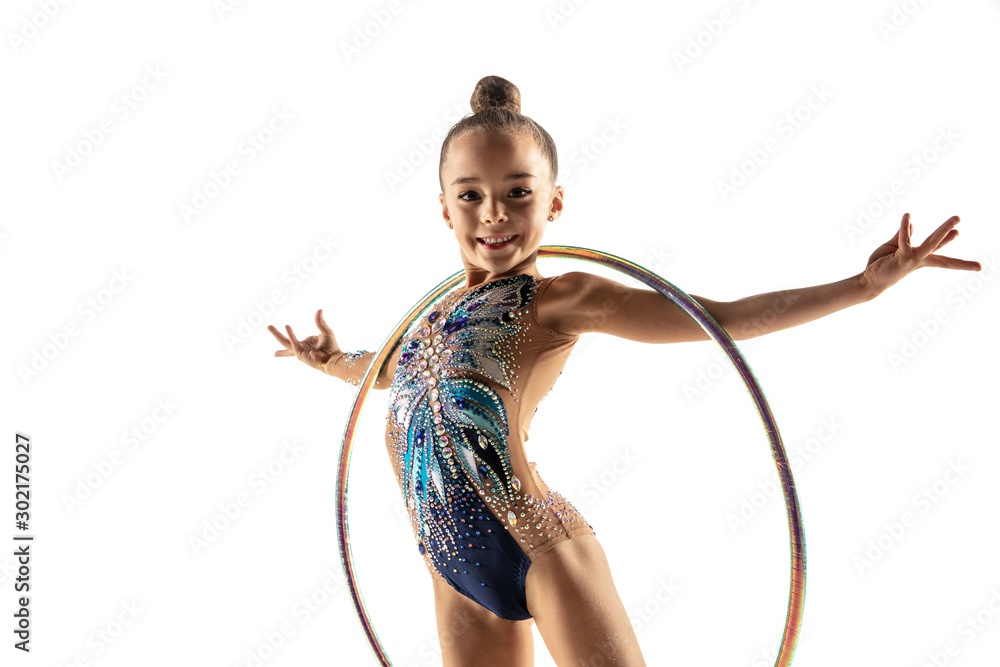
[493, 211]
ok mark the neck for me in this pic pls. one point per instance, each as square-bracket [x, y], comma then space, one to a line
[475, 275]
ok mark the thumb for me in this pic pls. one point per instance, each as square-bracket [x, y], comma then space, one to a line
[321, 323]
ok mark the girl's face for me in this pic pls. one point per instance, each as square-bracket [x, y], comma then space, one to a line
[497, 186]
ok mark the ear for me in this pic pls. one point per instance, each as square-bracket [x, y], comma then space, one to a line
[444, 211]
[555, 208]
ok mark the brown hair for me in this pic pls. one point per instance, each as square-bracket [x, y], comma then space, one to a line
[496, 107]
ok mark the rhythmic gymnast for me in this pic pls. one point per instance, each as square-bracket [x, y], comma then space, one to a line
[503, 549]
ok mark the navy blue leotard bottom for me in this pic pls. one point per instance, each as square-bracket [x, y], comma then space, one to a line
[498, 566]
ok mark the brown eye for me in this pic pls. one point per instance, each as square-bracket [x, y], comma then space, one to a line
[524, 190]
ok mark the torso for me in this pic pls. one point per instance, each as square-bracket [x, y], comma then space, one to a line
[459, 416]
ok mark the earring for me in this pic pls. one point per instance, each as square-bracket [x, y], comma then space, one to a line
[551, 218]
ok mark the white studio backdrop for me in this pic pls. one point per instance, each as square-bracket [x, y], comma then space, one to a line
[177, 176]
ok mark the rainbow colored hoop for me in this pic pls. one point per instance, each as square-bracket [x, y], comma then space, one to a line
[796, 594]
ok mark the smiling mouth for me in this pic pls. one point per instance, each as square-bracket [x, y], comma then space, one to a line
[496, 241]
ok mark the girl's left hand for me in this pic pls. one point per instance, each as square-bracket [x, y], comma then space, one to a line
[896, 257]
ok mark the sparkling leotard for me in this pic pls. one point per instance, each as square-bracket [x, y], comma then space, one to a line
[469, 378]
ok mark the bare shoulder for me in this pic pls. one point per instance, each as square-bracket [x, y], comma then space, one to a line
[568, 294]
[579, 302]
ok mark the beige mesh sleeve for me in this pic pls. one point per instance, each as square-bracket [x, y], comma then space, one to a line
[349, 366]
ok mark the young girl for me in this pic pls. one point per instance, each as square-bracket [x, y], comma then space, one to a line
[503, 549]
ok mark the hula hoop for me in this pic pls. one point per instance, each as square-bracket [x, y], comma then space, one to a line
[796, 593]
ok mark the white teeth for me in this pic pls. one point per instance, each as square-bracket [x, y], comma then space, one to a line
[500, 240]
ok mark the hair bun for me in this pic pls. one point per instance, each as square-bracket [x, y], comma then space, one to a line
[495, 91]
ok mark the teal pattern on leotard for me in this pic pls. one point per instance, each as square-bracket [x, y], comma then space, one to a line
[453, 431]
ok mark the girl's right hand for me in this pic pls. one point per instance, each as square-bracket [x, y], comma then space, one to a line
[315, 351]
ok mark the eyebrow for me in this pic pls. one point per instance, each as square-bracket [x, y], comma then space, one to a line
[508, 177]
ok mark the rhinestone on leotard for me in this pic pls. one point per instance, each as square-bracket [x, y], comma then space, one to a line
[453, 450]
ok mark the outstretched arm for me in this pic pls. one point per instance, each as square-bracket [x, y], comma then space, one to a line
[766, 313]
[323, 353]
[579, 302]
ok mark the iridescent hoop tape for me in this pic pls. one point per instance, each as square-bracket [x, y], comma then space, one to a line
[796, 594]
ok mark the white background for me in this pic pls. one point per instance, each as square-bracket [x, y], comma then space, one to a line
[645, 138]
